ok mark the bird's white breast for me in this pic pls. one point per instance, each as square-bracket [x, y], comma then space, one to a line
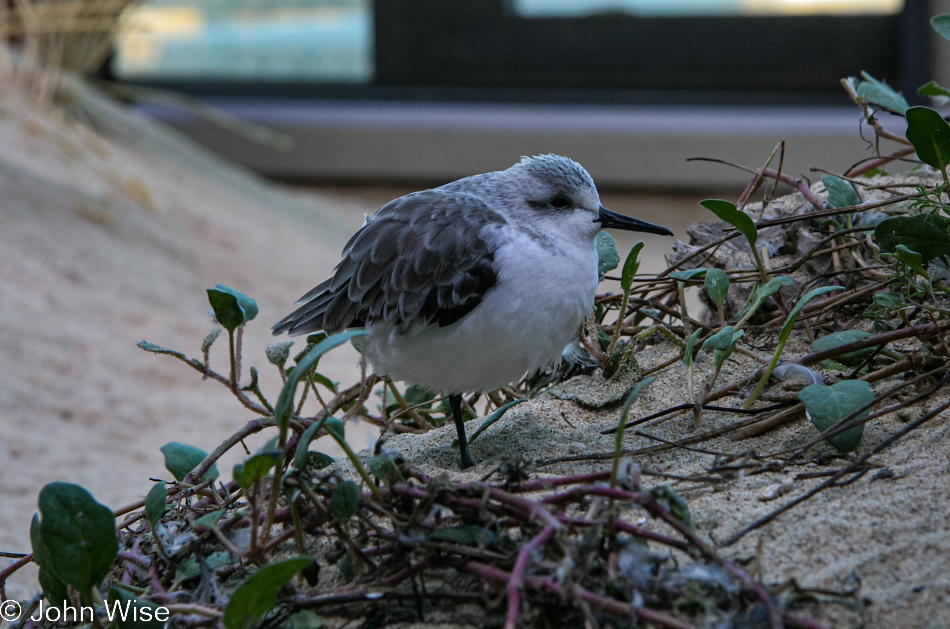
[545, 289]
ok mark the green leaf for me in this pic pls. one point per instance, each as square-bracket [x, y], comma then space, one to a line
[934, 89]
[258, 594]
[190, 568]
[889, 300]
[930, 135]
[210, 520]
[155, 505]
[77, 537]
[622, 425]
[134, 613]
[301, 457]
[941, 24]
[345, 501]
[493, 418]
[416, 395]
[727, 211]
[783, 338]
[881, 94]
[690, 343]
[382, 467]
[285, 401]
[683, 276]
[717, 285]
[790, 321]
[335, 429]
[677, 505]
[827, 406]
[721, 340]
[180, 459]
[278, 353]
[304, 619]
[773, 286]
[209, 340]
[924, 233]
[256, 467]
[231, 308]
[607, 256]
[837, 339]
[158, 349]
[630, 267]
[840, 192]
[464, 535]
[319, 460]
[912, 259]
[762, 293]
[54, 589]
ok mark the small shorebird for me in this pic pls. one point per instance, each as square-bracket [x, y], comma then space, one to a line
[469, 286]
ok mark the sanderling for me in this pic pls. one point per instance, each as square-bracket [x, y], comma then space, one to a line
[469, 286]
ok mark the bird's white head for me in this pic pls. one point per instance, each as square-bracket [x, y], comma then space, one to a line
[556, 195]
[551, 194]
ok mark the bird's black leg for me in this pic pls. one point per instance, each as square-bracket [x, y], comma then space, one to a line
[455, 401]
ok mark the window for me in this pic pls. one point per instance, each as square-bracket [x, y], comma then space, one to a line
[535, 50]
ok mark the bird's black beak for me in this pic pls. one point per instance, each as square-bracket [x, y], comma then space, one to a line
[606, 218]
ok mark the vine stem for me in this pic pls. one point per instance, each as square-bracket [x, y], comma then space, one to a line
[516, 581]
[252, 427]
[7, 572]
[490, 573]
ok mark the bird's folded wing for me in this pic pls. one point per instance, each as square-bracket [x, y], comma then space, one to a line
[421, 260]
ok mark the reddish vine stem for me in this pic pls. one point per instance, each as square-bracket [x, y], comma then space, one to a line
[624, 610]
[516, 581]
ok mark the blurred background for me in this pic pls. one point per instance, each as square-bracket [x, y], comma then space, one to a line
[150, 150]
[424, 92]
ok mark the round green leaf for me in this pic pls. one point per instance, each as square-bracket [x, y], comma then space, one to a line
[257, 595]
[78, 536]
[924, 233]
[881, 94]
[889, 300]
[930, 135]
[54, 589]
[256, 467]
[155, 503]
[210, 520]
[181, 458]
[345, 501]
[837, 339]
[840, 192]
[231, 308]
[941, 24]
[607, 256]
[717, 285]
[912, 259]
[827, 406]
[382, 467]
[933, 89]
[722, 340]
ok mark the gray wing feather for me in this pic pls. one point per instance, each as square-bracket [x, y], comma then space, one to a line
[421, 260]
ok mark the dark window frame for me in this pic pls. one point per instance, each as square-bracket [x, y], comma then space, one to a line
[478, 50]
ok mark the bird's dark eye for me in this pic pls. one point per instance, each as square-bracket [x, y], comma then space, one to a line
[560, 203]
